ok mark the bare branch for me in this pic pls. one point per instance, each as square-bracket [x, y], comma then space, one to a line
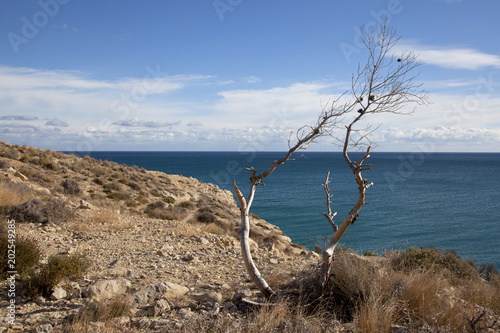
[329, 216]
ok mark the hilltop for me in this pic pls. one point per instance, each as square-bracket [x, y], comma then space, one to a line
[153, 252]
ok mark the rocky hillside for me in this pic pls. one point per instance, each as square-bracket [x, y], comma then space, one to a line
[103, 247]
[143, 232]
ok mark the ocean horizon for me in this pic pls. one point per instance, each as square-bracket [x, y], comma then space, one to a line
[442, 200]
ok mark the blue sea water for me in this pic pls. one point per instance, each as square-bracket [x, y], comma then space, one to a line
[445, 200]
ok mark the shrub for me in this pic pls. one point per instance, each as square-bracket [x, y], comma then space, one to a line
[36, 211]
[27, 254]
[116, 195]
[71, 187]
[134, 186]
[3, 164]
[187, 204]
[98, 181]
[104, 310]
[159, 210]
[169, 200]
[113, 187]
[57, 268]
[58, 211]
[434, 260]
[48, 163]
[32, 211]
[205, 217]
[318, 249]
[12, 194]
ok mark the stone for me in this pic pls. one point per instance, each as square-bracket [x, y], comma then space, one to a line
[58, 294]
[252, 244]
[105, 289]
[201, 240]
[45, 328]
[398, 329]
[311, 255]
[230, 307]
[185, 313]
[188, 257]
[114, 263]
[161, 306]
[243, 294]
[75, 292]
[20, 176]
[208, 297]
[267, 246]
[85, 205]
[152, 292]
[273, 261]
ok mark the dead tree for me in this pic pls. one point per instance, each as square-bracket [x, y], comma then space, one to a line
[384, 85]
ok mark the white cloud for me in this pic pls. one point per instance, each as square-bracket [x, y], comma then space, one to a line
[104, 114]
[152, 124]
[19, 118]
[451, 57]
[253, 79]
[57, 123]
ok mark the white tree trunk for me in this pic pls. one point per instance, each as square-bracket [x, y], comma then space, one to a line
[338, 232]
[252, 269]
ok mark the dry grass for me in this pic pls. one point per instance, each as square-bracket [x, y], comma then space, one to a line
[13, 194]
[104, 312]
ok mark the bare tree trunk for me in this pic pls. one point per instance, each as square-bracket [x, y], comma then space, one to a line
[338, 232]
[252, 270]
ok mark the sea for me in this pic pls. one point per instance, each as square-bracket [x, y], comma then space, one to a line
[441, 200]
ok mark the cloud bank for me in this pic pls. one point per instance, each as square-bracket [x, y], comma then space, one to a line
[69, 110]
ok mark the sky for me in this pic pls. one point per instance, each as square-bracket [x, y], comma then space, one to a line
[236, 75]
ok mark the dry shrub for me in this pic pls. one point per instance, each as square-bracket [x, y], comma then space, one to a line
[159, 210]
[483, 293]
[13, 194]
[375, 315]
[71, 187]
[27, 254]
[105, 309]
[57, 268]
[287, 316]
[221, 228]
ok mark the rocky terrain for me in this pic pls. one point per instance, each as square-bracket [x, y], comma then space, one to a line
[186, 263]
[164, 256]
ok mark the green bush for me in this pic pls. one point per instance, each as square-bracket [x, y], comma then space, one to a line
[434, 260]
[27, 255]
[57, 268]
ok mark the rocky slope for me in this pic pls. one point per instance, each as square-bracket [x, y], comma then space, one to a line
[141, 230]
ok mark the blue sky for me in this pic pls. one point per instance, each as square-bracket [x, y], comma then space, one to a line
[235, 74]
